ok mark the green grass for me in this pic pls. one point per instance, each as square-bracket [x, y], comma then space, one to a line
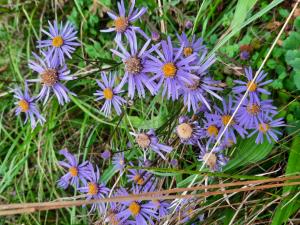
[29, 159]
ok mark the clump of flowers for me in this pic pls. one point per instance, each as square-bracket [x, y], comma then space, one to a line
[52, 70]
[210, 122]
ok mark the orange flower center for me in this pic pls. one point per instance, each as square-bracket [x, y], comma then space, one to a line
[143, 140]
[210, 159]
[138, 179]
[169, 70]
[73, 171]
[253, 109]
[184, 130]
[263, 127]
[24, 105]
[121, 24]
[108, 94]
[225, 120]
[49, 77]
[57, 41]
[212, 130]
[187, 51]
[92, 188]
[251, 87]
[134, 208]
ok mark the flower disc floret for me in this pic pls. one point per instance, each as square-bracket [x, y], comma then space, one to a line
[57, 41]
[134, 208]
[121, 24]
[49, 77]
[169, 70]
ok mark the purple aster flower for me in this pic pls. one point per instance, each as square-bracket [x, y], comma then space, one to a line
[224, 115]
[119, 161]
[244, 55]
[62, 41]
[188, 130]
[214, 160]
[135, 69]
[155, 36]
[94, 189]
[110, 94]
[255, 88]
[266, 127]
[162, 206]
[250, 111]
[211, 127]
[141, 212]
[188, 24]
[106, 154]
[138, 176]
[193, 46]
[195, 94]
[51, 76]
[123, 22]
[245, 51]
[149, 140]
[27, 105]
[171, 69]
[76, 172]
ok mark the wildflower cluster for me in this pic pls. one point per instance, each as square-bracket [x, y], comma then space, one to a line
[175, 70]
[51, 69]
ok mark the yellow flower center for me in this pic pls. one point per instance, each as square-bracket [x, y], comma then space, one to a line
[187, 51]
[251, 87]
[121, 24]
[225, 120]
[49, 77]
[57, 41]
[210, 159]
[24, 105]
[134, 208]
[212, 130]
[143, 140]
[253, 109]
[169, 70]
[108, 94]
[184, 130]
[92, 188]
[73, 171]
[138, 179]
[263, 127]
[133, 65]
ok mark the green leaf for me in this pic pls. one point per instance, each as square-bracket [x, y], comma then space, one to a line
[277, 84]
[242, 9]
[272, 63]
[295, 63]
[291, 55]
[297, 23]
[155, 122]
[292, 42]
[296, 77]
[289, 205]
[108, 174]
[248, 152]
